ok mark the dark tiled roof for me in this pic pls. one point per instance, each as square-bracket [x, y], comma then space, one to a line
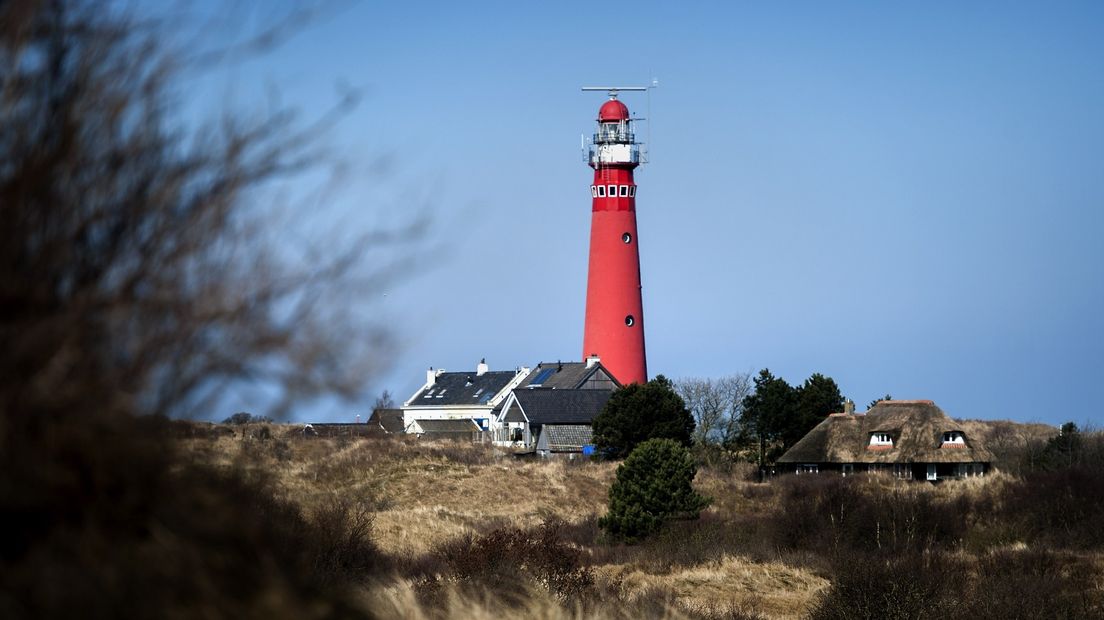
[916, 426]
[548, 406]
[463, 388]
[566, 437]
[560, 375]
[390, 420]
[449, 426]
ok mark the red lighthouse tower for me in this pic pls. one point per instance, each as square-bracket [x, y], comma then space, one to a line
[614, 311]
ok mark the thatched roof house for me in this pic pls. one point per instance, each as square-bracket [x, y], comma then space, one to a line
[910, 438]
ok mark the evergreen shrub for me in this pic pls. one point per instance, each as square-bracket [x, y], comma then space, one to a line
[653, 486]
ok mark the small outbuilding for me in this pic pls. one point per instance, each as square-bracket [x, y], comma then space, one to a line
[457, 430]
[911, 439]
[567, 439]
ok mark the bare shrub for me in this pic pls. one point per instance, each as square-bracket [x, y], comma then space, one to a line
[341, 545]
[506, 554]
[833, 512]
[689, 543]
[873, 585]
[1033, 584]
[1063, 508]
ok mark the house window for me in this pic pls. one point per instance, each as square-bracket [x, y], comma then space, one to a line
[593, 192]
[808, 469]
[881, 439]
[632, 191]
[847, 469]
[968, 470]
[601, 191]
[516, 436]
[624, 191]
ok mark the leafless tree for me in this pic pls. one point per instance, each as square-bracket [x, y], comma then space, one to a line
[716, 405]
[134, 258]
[137, 276]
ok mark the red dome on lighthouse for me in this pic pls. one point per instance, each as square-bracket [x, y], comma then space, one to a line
[613, 110]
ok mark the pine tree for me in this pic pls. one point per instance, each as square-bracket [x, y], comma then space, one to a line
[653, 486]
[639, 412]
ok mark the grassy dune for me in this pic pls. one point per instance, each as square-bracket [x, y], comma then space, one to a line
[423, 495]
[797, 547]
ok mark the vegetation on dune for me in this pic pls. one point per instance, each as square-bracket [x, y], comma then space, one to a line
[639, 412]
[792, 547]
[653, 486]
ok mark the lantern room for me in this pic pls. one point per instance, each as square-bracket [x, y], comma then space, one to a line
[614, 142]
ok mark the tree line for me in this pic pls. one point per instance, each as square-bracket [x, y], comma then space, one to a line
[760, 417]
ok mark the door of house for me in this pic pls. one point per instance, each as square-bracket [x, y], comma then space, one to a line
[931, 472]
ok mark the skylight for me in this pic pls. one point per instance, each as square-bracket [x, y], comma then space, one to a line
[542, 376]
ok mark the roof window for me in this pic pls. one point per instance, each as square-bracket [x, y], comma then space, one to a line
[954, 439]
[879, 440]
[542, 376]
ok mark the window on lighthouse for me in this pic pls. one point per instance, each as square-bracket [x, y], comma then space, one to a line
[593, 192]
[613, 191]
[624, 191]
[601, 191]
[632, 191]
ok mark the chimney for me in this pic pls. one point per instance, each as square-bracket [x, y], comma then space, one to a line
[849, 406]
[431, 377]
[592, 360]
[481, 368]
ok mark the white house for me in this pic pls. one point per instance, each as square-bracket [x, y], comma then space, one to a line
[474, 396]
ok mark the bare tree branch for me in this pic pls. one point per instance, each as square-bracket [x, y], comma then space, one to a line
[135, 258]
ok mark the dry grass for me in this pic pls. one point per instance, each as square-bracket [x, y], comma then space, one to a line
[423, 495]
[772, 589]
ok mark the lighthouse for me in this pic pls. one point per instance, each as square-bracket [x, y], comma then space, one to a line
[614, 328]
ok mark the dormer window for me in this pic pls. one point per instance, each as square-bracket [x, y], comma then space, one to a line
[954, 439]
[881, 440]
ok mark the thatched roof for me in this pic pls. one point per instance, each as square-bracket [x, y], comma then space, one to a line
[916, 426]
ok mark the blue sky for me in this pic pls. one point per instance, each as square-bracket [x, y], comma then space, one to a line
[906, 198]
